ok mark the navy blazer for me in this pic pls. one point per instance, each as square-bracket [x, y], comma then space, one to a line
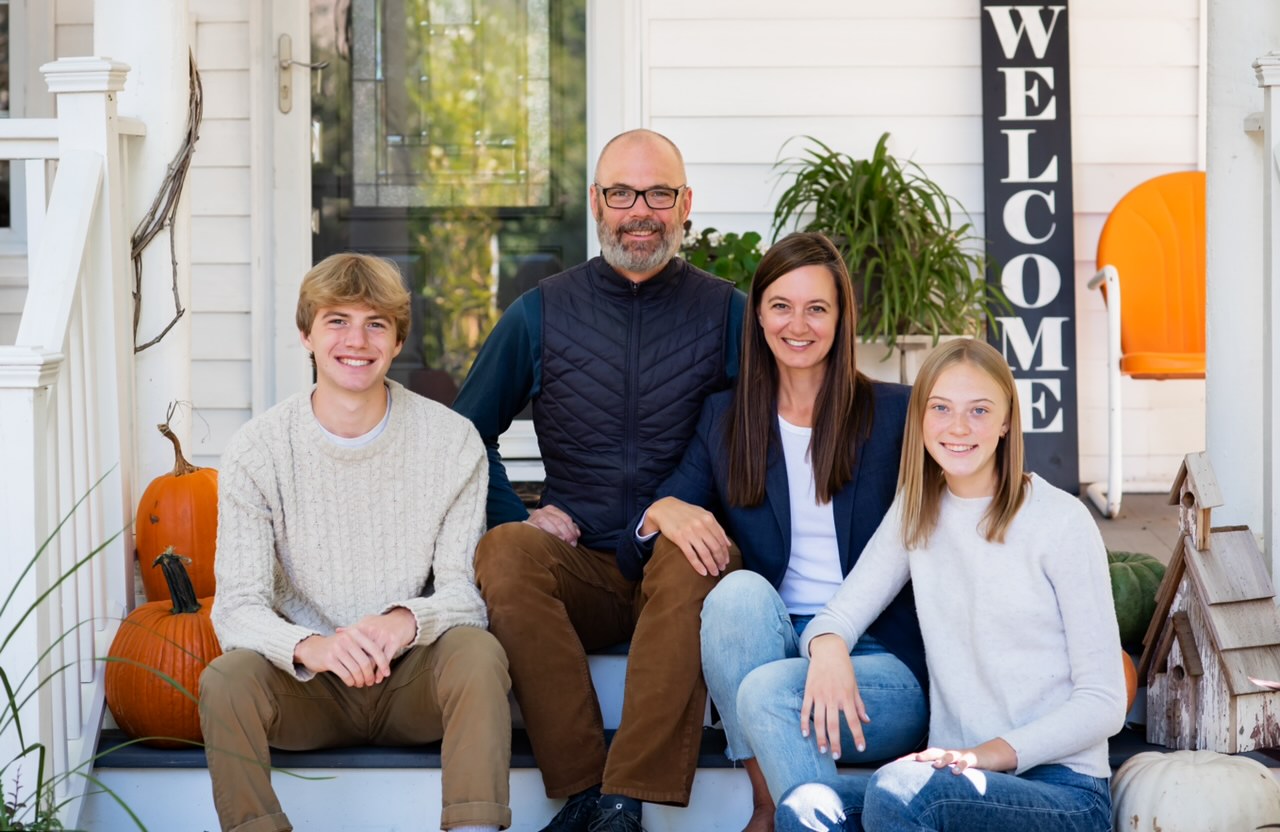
[763, 532]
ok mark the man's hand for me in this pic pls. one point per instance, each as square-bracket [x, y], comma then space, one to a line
[554, 521]
[830, 689]
[692, 528]
[348, 653]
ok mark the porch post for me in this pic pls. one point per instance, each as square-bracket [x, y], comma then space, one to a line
[1235, 321]
[1268, 70]
[152, 36]
[86, 90]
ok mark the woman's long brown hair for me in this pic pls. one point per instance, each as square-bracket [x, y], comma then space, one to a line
[842, 415]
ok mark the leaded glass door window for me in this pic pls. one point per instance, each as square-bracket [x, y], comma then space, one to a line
[449, 135]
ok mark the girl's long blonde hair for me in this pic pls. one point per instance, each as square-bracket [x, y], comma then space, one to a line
[920, 479]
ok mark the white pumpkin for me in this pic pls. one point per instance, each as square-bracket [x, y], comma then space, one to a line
[1193, 791]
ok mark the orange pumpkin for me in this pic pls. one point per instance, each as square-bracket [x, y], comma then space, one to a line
[179, 510]
[1130, 681]
[174, 638]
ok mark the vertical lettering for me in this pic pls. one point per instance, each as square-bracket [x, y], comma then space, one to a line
[1041, 403]
[1020, 86]
[1015, 216]
[1019, 142]
[1015, 338]
[1013, 282]
[1032, 25]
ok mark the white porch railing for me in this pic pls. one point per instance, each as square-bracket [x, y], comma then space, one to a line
[66, 403]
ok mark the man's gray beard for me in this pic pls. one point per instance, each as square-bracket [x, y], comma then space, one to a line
[637, 261]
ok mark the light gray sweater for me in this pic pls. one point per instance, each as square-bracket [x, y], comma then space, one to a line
[1020, 638]
[313, 536]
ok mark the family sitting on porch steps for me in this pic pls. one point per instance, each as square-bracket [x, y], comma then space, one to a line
[762, 533]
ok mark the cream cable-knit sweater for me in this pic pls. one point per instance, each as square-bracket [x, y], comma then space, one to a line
[313, 536]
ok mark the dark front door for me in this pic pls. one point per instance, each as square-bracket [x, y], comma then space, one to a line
[450, 137]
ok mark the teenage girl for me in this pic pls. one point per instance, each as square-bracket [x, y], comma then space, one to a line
[1015, 607]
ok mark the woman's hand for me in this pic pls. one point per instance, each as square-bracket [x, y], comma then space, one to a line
[694, 530]
[992, 755]
[829, 690]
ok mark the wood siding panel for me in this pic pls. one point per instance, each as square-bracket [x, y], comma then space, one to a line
[925, 138]
[221, 385]
[221, 240]
[1134, 91]
[823, 11]
[803, 92]
[226, 93]
[223, 143]
[221, 287]
[72, 11]
[213, 427]
[219, 192]
[72, 40]
[222, 46]
[790, 42]
[206, 11]
[220, 336]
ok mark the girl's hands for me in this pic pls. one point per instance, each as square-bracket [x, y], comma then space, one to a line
[992, 755]
[829, 690]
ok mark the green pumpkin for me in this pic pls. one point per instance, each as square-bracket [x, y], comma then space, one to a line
[1135, 577]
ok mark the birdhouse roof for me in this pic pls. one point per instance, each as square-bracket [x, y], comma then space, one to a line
[1230, 587]
[1197, 473]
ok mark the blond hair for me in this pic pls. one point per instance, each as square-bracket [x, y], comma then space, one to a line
[358, 279]
[920, 478]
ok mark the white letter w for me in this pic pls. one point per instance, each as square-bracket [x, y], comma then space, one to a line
[1032, 24]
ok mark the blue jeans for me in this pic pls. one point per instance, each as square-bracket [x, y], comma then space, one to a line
[750, 649]
[916, 797]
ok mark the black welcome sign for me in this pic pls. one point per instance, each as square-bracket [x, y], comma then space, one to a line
[1026, 137]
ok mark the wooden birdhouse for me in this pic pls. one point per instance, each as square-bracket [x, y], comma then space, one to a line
[1214, 640]
[1195, 493]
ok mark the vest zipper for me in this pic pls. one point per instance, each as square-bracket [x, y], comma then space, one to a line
[629, 403]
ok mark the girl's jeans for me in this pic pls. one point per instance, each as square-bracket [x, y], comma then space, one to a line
[916, 797]
[750, 650]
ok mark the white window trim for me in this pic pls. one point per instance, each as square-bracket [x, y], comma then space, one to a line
[30, 46]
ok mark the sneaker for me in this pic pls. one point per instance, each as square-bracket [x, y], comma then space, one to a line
[577, 813]
[616, 819]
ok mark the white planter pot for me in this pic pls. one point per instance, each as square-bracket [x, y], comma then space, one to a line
[902, 363]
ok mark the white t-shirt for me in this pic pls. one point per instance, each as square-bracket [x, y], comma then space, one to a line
[813, 570]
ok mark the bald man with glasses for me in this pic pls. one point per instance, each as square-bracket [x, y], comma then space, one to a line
[616, 356]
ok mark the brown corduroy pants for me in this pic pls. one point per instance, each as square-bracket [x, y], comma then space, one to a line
[549, 604]
[455, 689]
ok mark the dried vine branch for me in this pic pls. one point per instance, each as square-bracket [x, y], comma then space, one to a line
[164, 208]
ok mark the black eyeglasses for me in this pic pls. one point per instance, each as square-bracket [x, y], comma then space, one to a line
[656, 198]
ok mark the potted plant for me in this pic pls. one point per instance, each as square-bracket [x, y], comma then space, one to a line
[730, 255]
[918, 274]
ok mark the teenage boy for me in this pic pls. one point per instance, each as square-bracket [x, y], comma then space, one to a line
[346, 600]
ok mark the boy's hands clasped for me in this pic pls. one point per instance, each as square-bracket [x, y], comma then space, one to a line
[359, 655]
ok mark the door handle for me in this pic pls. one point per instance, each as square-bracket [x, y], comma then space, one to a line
[284, 71]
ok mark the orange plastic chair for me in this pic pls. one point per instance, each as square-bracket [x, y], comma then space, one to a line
[1152, 248]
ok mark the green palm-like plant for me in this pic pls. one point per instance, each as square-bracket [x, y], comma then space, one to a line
[915, 272]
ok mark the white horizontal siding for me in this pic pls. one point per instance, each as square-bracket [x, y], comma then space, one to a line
[221, 192]
[731, 81]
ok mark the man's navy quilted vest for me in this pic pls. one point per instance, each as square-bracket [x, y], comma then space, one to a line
[625, 368]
